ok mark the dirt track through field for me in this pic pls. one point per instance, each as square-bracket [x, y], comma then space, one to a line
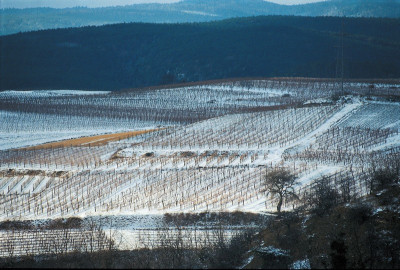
[91, 140]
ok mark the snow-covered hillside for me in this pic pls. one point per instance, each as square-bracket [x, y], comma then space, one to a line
[32, 117]
[217, 145]
[212, 165]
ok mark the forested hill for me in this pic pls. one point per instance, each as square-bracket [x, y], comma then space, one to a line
[138, 54]
[21, 20]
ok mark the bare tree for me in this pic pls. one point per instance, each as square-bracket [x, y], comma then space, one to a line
[323, 197]
[280, 183]
[383, 172]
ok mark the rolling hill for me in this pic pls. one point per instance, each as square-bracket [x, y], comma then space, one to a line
[140, 54]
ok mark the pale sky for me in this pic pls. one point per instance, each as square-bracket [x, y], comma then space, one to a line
[103, 3]
[74, 3]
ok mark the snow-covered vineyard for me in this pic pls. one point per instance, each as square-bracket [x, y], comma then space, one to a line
[212, 154]
[216, 164]
[34, 117]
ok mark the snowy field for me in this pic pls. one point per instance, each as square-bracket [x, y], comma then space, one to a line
[212, 155]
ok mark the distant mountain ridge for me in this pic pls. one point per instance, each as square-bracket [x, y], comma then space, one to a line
[22, 20]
